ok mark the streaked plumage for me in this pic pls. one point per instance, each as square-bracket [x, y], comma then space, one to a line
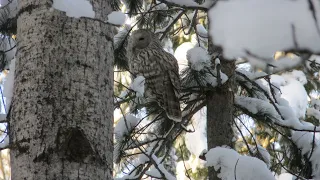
[160, 69]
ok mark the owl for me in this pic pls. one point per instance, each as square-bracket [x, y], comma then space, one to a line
[160, 69]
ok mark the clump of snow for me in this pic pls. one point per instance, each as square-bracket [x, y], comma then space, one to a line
[75, 8]
[283, 86]
[125, 125]
[201, 31]
[298, 75]
[315, 103]
[285, 176]
[232, 25]
[290, 118]
[234, 166]
[303, 140]
[161, 6]
[123, 32]
[297, 99]
[198, 58]
[138, 85]
[309, 146]
[264, 154]
[258, 106]
[117, 18]
[192, 164]
[313, 112]
[266, 109]
[154, 172]
[141, 159]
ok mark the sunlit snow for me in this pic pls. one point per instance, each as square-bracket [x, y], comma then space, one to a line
[75, 8]
[235, 166]
[116, 18]
[260, 28]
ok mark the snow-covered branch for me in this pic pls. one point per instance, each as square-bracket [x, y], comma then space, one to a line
[189, 4]
[234, 166]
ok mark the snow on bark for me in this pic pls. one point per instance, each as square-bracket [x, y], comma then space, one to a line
[75, 8]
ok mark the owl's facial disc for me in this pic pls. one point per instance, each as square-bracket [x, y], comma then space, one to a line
[142, 40]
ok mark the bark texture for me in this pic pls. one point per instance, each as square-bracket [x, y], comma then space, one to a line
[220, 111]
[61, 124]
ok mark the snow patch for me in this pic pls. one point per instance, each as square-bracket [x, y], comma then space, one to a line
[117, 18]
[75, 8]
[202, 31]
[261, 28]
[125, 125]
[198, 58]
[232, 165]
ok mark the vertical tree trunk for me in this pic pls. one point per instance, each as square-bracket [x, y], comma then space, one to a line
[220, 111]
[61, 120]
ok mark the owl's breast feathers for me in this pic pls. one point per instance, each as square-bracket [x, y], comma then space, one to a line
[162, 81]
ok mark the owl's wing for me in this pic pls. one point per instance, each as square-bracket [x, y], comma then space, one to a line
[169, 63]
[170, 85]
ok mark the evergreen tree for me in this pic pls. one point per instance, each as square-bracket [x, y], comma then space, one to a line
[140, 152]
[244, 117]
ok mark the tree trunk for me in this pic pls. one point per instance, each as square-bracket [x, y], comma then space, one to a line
[61, 124]
[220, 111]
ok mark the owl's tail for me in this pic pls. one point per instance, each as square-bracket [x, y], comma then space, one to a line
[171, 104]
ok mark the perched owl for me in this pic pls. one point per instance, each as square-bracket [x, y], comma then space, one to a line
[160, 69]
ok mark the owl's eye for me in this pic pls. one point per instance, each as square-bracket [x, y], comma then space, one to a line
[142, 38]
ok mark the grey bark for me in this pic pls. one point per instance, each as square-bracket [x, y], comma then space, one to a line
[61, 123]
[220, 110]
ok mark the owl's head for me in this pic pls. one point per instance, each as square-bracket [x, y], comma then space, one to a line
[141, 38]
